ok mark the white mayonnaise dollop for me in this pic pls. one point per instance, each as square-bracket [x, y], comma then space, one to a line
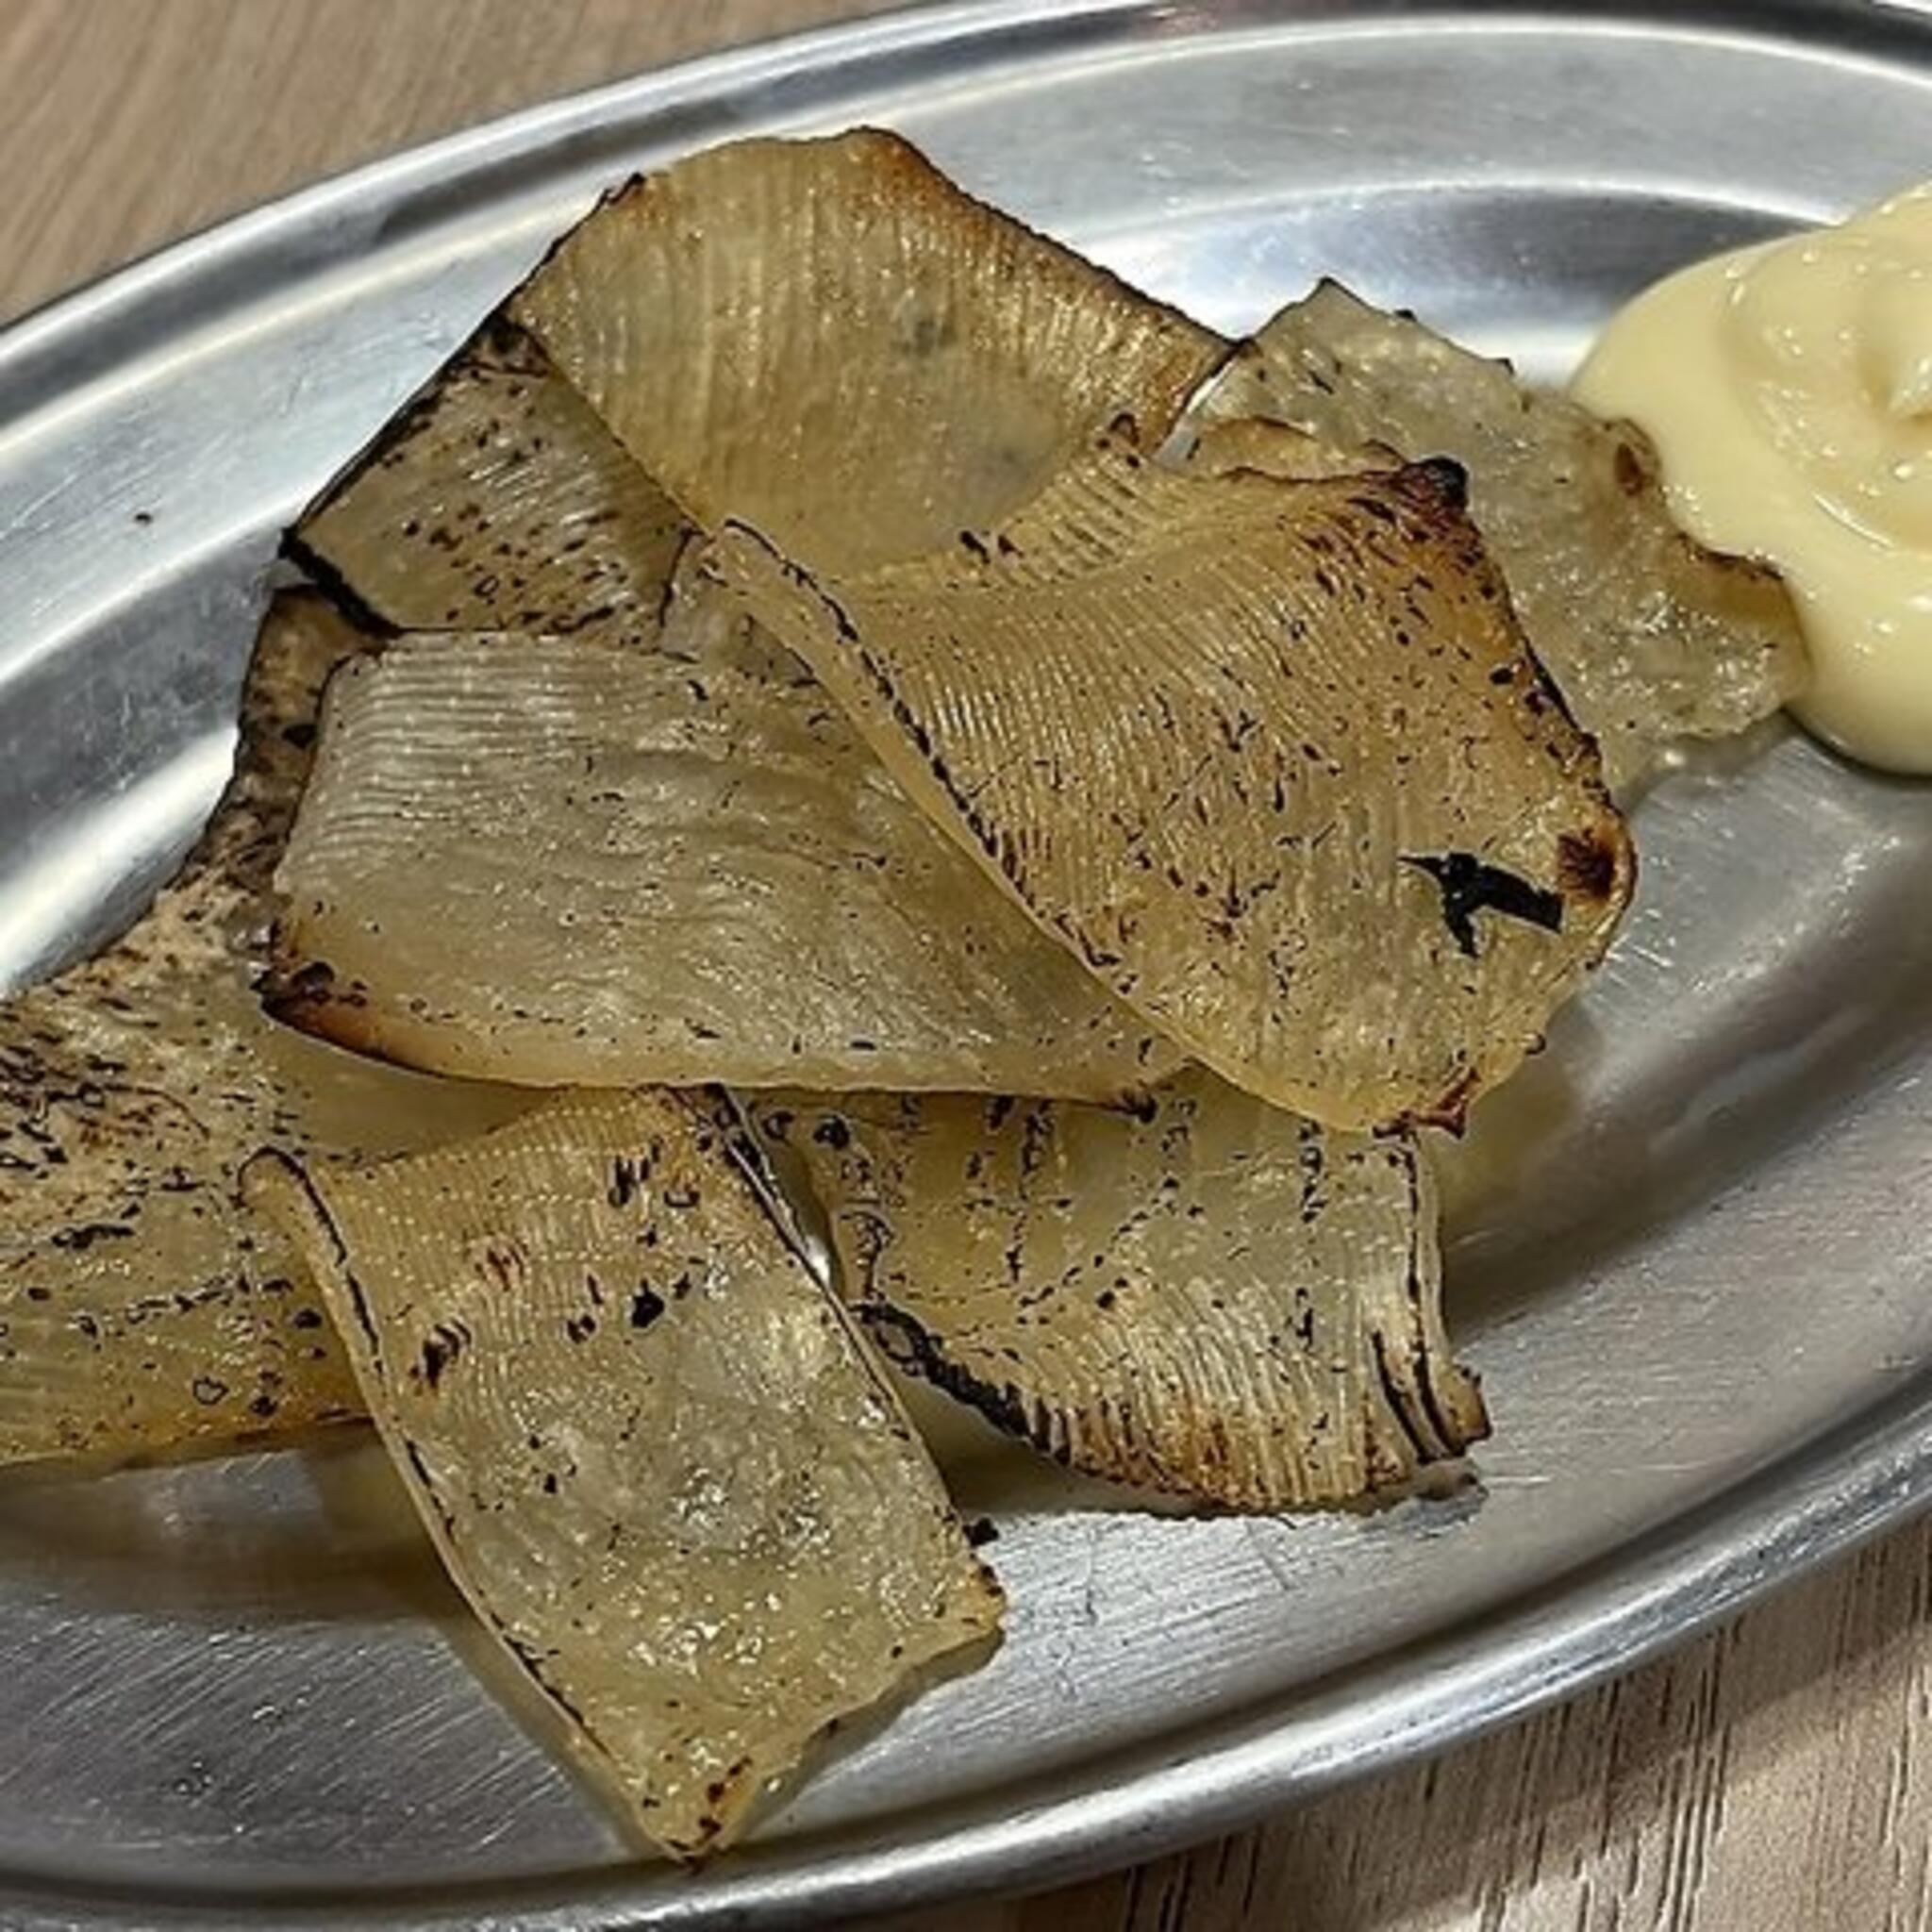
[1789, 390]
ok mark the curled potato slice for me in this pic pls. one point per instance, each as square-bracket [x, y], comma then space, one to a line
[1212, 1298]
[829, 340]
[1651, 637]
[1267, 755]
[524, 860]
[495, 500]
[647, 1445]
[142, 1308]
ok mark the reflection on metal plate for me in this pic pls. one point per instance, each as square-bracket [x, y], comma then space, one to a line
[1691, 1260]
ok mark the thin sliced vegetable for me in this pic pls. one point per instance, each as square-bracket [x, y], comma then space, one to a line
[1651, 637]
[141, 1309]
[831, 341]
[647, 1445]
[1269, 755]
[495, 500]
[1214, 1299]
[523, 861]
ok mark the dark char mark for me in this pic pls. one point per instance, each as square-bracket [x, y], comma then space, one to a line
[913, 1346]
[1470, 887]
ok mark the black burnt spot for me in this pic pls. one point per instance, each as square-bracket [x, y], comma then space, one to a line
[1470, 885]
[504, 1263]
[832, 1132]
[1441, 481]
[1420, 1446]
[310, 985]
[78, 1240]
[440, 1348]
[912, 1346]
[623, 1182]
[335, 587]
[646, 1305]
[1587, 864]
[1035, 1142]
[1451, 1112]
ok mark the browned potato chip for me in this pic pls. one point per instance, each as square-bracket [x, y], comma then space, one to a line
[830, 340]
[1270, 755]
[1214, 1298]
[140, 1308]
[495, 500]
[1651, 637]
[524, 861]
[649, 1449]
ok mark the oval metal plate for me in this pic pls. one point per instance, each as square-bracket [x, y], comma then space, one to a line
[1692, 1267]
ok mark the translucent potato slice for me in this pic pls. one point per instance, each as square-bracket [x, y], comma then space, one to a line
[648, 1447]
[879, 383]
[526, 860]
[495, 500]
[142, 1308]
[1269, 755]
[1651, 637]
[1215, 1299]
[831, 341]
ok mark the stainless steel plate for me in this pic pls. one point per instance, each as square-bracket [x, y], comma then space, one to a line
[1695, 1254]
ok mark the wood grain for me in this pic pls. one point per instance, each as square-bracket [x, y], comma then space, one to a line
[1775, 1777]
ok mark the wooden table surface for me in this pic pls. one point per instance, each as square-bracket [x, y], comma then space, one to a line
[1775, 1777]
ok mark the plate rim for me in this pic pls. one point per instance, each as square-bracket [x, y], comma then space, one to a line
[1822, 1499]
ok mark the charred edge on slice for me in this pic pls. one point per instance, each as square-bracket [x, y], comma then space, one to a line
[335, 587]
[1454, 1441]
[317, 1211]
[915, 1347]
[1424, 1451]
[1435, 483]
[499, 345]
[1587, 864]
[999, 852]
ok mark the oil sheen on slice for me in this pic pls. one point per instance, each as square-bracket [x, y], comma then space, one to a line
[647, 1445]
